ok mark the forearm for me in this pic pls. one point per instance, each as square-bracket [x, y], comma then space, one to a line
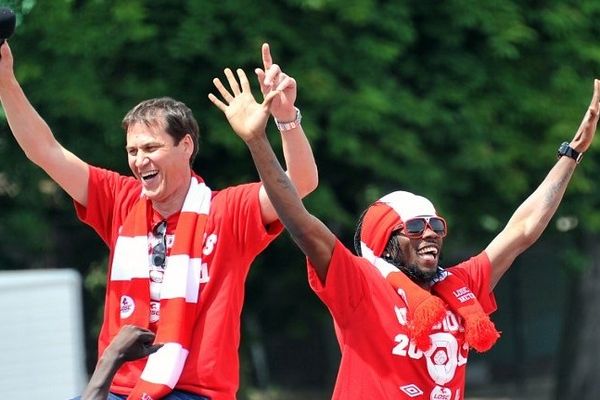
[282, 193]
[99, 385]
[300, 161]
[311, 235]
[529, 220]
[29, 129]
[538, 209]
[532, 217]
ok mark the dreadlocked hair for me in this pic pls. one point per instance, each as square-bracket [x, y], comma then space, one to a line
[392, 253]
[358, 231]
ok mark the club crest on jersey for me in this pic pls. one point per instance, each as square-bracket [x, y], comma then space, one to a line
[127, 306]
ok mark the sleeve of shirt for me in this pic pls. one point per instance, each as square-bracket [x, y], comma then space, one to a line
[344, 289]
[240, 210]
[476, 272]
[103, 189]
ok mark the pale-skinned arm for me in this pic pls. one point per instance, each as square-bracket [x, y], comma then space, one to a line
[248, 119]
[531, 218]
[35, 137]
[297, 153]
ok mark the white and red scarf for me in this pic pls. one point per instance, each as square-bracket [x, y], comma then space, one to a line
[129, 287]
[424, 308]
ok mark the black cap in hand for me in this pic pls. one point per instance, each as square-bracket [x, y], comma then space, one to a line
[7, 23]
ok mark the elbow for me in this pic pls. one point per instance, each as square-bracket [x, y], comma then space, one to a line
[42, 151]
[527, 241]
[530, 235]
[41, 158]
[35, 156]
[309, 184]
[312, 184]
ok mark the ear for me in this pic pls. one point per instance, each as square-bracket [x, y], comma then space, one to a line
[188, 144]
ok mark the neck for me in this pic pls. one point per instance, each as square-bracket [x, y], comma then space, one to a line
[174, 203]
[423, 279]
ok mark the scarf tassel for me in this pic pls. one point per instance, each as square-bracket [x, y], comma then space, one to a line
[480, 331]
[428, 313]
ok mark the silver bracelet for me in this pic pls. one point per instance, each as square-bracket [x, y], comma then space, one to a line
[288, 126]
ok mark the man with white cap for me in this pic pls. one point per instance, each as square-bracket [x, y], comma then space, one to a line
[404, 324]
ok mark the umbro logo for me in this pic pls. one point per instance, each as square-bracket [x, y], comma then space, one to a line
[411, 390]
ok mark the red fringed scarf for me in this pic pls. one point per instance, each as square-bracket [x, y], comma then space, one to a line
[425, 309]
[129, 287]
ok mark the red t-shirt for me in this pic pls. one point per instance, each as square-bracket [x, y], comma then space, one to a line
[378, 360]
[234, 236]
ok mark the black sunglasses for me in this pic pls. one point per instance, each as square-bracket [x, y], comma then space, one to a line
[159, 251]
[415, 227]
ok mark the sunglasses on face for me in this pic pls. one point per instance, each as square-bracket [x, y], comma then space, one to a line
[415, 227]
[159, 251]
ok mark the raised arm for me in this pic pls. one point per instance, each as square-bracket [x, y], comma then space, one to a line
[299, 159]
[248, 119]
[34, 136]
[531, 218]
[131, 343]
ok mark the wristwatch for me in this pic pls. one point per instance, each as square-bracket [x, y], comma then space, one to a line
[566, 150]
[288, 126]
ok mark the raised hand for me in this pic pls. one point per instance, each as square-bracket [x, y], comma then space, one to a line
[583, 138]
[273, 78]
[6, 62]
[247, 117]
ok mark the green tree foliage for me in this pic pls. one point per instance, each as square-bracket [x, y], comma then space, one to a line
[463, 101]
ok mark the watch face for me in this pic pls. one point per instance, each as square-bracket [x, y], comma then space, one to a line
[563, 149]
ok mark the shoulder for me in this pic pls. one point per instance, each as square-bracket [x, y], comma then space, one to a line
[104, 177]
[233, 197]
[478, 261]
[236, 190]
[113, 186]
[345, 265]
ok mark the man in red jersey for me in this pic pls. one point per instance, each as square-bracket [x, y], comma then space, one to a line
[404, 324]
[179, 252]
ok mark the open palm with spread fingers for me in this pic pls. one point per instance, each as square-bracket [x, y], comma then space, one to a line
[247, 117]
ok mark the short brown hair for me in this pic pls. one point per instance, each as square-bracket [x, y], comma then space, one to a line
[178, 119]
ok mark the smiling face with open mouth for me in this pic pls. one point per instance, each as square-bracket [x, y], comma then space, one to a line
[161, 165]
[418, 257]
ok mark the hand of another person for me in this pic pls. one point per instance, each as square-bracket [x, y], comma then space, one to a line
[133, 342]
[273, 78]
[247, 117]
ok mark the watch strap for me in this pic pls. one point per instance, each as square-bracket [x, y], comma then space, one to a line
[288, 126]
[566, 150]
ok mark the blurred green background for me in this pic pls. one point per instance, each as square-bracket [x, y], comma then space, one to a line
[462, 101]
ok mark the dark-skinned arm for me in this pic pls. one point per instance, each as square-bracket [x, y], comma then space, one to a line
[248, 119]
[131, 343]
[312, 236]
